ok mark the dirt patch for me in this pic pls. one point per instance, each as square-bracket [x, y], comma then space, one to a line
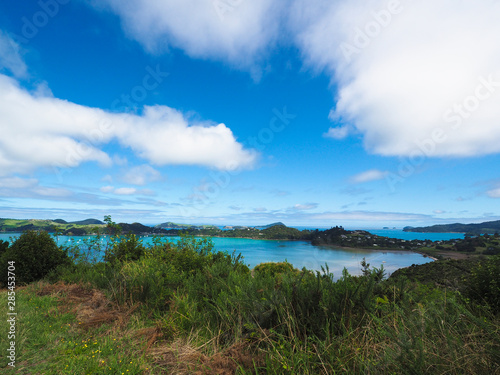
[91, 306]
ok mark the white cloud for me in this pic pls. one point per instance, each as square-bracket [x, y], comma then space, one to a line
[42, 131]
[141, 175]
[409, 68]
[107, 189]
[367, 176]
[238, 32]
[126, 191]
[338, 132]
[307, 206]
[494, 193]
[10, 57]
[17, 183]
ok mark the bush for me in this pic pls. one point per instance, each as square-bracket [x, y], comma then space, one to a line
[4, 245]
[484, 283]
[35, 254]
[126, 249]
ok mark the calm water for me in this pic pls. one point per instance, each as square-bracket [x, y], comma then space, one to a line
[299, 253]
[398, 233]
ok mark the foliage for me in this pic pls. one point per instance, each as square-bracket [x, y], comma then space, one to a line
[490, 227]
[300, 321]
[4, 245]
[125, 249]
[274, 269]
[483, 283]
[35, 254]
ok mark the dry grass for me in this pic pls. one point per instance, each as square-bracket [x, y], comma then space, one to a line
[181, 356]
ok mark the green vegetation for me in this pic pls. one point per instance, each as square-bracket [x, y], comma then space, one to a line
[185, 308]
[38, 255]
[489, 227]
[76, 228]
[471, 245]
[275, 232]
[171, 225]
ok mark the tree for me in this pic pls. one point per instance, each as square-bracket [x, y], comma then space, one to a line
[35, 255]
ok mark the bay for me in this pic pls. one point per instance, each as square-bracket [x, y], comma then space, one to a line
[400, 234]
[299, 253]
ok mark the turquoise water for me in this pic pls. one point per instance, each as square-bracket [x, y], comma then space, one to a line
[398, 233]
[299, 253]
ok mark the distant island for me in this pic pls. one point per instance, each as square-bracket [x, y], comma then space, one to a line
[170, 225]
[488, 227]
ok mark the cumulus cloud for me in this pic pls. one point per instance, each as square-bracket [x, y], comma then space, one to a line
[400, 69]
[367, 176]
[43, 131]
[234, 31]
[404, 71]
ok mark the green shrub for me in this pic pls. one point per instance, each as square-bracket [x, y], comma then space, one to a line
[483, 284]
[147, 281]
[35, 254]
[4, 245]
[124, 250]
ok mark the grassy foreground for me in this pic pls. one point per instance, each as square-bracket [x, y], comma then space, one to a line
[183, 308]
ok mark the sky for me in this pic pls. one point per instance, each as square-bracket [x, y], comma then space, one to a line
[361, 113]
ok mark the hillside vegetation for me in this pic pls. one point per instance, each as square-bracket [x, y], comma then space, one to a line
[185, 308]
[488, 227]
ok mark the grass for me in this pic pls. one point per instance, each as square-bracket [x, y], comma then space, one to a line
[54, 337]
[186, 309]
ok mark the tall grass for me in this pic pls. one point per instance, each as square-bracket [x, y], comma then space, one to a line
[297, 321]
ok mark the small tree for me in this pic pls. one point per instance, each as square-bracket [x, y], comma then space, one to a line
[35, 254]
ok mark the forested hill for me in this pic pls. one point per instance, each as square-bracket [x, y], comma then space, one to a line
[489, 227]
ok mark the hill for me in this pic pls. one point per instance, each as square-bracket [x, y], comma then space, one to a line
[271, 225]
[73, 228]
[171, 225]
[488, 227]
[87, 222]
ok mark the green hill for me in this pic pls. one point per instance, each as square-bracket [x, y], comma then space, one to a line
[488, 227]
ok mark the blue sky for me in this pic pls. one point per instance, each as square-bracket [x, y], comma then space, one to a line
[313, 113]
